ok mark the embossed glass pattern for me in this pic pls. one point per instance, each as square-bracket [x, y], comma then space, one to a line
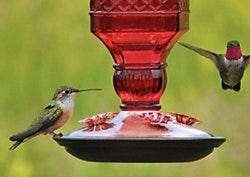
[139, 34]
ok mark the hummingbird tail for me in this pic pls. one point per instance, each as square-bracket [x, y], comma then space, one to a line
[20, 138]
[15, 145]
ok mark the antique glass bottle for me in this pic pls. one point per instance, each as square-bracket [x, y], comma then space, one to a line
[139, 34]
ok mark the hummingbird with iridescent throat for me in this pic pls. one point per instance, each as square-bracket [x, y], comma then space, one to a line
[52, 117]
[231, 65]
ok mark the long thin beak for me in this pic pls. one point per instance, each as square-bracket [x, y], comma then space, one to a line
[90, 89]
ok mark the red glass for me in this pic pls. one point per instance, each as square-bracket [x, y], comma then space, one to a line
[139, 34]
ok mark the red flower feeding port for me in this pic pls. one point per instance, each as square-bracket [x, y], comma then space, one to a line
[139, 34]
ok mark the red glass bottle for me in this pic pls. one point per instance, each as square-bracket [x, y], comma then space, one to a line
[139, 34]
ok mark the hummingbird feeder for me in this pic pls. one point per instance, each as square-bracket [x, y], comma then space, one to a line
[139, 34]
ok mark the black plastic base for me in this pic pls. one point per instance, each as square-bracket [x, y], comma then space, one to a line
[140, 149]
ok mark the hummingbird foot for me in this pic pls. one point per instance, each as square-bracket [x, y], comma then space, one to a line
[54, 135]
[224, 86]
[237, 87]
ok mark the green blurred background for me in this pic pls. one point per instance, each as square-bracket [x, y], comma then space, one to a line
[44, 44]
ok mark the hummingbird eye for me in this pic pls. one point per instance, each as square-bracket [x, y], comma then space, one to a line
[66, 91]
[231, 45]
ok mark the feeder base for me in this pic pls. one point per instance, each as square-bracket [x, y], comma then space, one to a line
[129, 138]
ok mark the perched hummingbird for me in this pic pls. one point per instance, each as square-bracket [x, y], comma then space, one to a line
[231, 66]
[52, 117]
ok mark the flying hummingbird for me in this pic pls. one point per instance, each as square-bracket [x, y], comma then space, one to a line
[231, 66]
[52, 117]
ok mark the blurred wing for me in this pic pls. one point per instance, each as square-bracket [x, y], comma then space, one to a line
[208, 54]
[247, 60]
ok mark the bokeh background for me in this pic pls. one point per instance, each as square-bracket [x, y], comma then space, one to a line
[44, 44]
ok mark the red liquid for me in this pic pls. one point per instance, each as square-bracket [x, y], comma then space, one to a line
[139, 38]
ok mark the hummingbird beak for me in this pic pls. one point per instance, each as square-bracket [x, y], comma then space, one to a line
[85, 90]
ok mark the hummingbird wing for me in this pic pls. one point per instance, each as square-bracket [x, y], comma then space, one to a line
[206, 53]
[246, 60]
[45, 119]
